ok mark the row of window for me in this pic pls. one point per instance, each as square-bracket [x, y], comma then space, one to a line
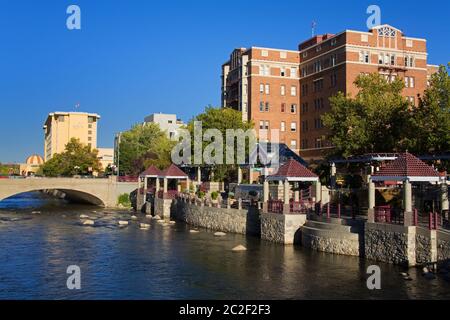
[318, 124]
[318, 65]
[265, 89]
[266, 70]
[318, 143]
[265, 107]
[265, 125]
[386, 59]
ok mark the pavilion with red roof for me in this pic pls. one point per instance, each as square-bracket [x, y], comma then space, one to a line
[151, 173]
[291, 171]
[172, 174]
[406, 169]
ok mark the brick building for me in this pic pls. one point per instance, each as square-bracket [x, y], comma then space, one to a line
[289, 90]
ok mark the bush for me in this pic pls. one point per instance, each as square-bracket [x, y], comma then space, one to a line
[214, 195]
[201, 194]
[124, 200]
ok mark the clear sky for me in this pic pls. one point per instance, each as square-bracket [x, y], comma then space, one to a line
[132, 58]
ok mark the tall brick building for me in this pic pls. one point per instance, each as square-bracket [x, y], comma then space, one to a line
[289, 90]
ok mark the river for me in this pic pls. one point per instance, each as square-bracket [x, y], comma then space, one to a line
[41, 237]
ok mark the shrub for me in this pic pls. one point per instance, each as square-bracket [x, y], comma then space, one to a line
[201, 194]
[214, 195]
[124, 200]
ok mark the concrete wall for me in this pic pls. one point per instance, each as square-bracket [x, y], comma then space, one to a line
[443, 245]
[163, 208]
[423, 246]
[218, 219]
[282, 228]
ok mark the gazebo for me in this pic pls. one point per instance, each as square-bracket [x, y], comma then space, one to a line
[291, 171]
[171, 173]
[406, 169]
[151, 173]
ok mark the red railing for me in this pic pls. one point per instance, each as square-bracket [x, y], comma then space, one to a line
[170, 194]
[435, 221]
[383, 214]
[127, 179]
[300, 206]
[275, 206]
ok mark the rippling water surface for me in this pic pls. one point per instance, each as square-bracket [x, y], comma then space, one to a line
[40, 238]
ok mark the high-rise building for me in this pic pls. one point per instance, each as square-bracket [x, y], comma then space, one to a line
[296, 85]
[60, 127]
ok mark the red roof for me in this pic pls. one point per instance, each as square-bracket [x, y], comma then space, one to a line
[151, 171]
[407, 165]
[173, 171]
[294, 169]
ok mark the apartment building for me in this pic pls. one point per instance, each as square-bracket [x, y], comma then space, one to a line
[167, 122]
[60, 127]
[263, 84]
[301, 82]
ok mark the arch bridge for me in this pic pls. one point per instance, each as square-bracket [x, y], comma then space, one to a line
[102, 192]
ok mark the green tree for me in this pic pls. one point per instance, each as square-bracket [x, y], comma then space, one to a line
[77, 159]
[221, 119]
[142, 146]
[429, 130]
[374, 120]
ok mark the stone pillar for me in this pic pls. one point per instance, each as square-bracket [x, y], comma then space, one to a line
[371, 201]
[280, 189]
[157, 187]
[318, 187]
[165, 185]
[145, 189]
[444, 197]
[199, 175]
[297, 196]
[407, 202]
[333, 176]
[239, 175]
[178, 186]
[265, 207]
[286, 197]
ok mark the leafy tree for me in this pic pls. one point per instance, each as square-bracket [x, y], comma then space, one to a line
[221, 119]
[142, 146]
[77, 159]
[373, 121]
[429, 130]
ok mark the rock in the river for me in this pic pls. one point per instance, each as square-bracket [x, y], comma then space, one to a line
[148, 216]
[156, 217]
[123, 223]
[220, 234]
[425, 270]
[172, 222]
[144, 226]
[134, 218]
[194, 231]
[404, 274]
[161, 221]
[83, 216]
[35, 212]
[239, 248]
[88, 222]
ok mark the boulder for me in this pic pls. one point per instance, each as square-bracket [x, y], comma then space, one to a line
[144, 226]
[172, 222]
[156, 217]
[161, 221]
[220, 234]
[134, 218]
[123, 223]
[83, 216]
[88, 222]
[148, 216]
[194, 231]
[35, 212]
[239, 248]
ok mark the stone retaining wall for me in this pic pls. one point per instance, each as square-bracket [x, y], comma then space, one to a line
[218, 219]
[423, 246]
[282, 228]
[390, 243]
[443, 245]
[163, 208]
[331, 242]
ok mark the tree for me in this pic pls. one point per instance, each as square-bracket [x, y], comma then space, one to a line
[77, 159]
[374, 120]
[222, 119]
[142, 146]
[429, 130]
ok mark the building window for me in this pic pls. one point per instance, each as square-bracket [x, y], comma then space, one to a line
[293, 126]
[283, 72]
[267, 107]
[333, 60]
[261, 106]
[318, 85]
[283, 107]
[261, 88]
[267, 125]
[333, 42]
[304, 90]
[305, 144]
[89, 138]
[305, 54]
[409, 43]
[412, 100]
[293, 91]
[264, 70]
[90, 126]
[304, 72]
[304, 107]
[267, 89]
[333, 79]
[409, 61]
[317, 66]
[91, 119]
[293, 108]
[411, 82]
[393, 60]
[283, 90]
[294, 144]
[305, 126]
[318, 48]
[283, 126]
[61, 118]
[364, 38]
[293, 72]
[264, 53]
[364, 57]
[89, 132]
[261, 125]
[283, 54]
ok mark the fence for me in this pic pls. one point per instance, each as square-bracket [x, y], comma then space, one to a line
[336, 210]
[388, 214]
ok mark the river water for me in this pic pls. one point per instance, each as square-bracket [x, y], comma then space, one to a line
[40, 238]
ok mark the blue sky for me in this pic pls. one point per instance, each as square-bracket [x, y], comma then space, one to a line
[132, 58]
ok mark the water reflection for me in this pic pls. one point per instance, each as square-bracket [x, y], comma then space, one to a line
[171, 263]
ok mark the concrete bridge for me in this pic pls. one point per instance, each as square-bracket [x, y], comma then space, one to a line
[101, 192]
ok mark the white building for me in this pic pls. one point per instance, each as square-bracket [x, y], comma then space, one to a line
[167, 122]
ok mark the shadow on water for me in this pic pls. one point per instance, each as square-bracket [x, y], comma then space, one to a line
[169, 262]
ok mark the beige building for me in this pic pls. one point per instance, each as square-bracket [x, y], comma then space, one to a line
[31, 165]
[60, 127]
[106, 157]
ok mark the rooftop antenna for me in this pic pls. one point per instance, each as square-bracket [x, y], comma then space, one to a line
[313, 28]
